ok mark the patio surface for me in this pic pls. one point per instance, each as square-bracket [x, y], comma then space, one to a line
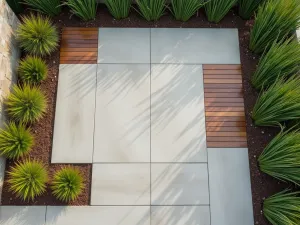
[160, 115]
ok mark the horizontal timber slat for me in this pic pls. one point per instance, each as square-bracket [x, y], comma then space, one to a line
[227, 144]
[222, 67]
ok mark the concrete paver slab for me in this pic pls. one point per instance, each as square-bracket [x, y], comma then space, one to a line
[22, 215]
[2, 173]
[230, 188]
[195, 46]
[74, 118]
[95, 215]
[179, 215]
[124, 45]
[177, 114]
[179, 184]
[121, 184]
[122, 132]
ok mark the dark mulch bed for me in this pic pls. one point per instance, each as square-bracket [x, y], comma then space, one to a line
[262, 185]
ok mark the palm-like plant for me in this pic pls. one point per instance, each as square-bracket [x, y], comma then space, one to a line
[26, 104]
[247, 7]
[275, 20]
[281, 158]
[15, 140]
[67, 184]
[282, 59]
[184, 9]
[37, 35]
[28, 179]
[84, 9]
[281, 102]
[151, 9]
[217, 9]
[118, 8]
[50, 7]
[283, 208]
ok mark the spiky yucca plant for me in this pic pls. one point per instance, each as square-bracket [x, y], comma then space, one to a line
[281, 158]
[33, 70]
[184, 9]
[15, 140]
[37, 35]
[217, 9]
[283, 208]
[151, 10]
[275, 20]
[49, 7]
[84, 9]
[28, 179]
[118, 8]
[248, 7]
[282, 59]
[67, 184]
[26, 104]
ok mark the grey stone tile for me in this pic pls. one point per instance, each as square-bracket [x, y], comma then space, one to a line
[22, 215]
[121, 184]
[179, 215]
[230, 188]
[95, 215]
[2, 173]
[124, 45]
[177, 114]
[179, 184]
[74, 118]
[122, 132]
[194, 45]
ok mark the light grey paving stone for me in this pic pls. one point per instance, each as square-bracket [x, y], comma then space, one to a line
[230, 188]
[177, 114]
[2, 173]
[179, 184]
[122, 132]
[22, 215]
[95, 215]
[74, 118]
[121, 184]
[194, 45]
[180, 215]
[124, 45]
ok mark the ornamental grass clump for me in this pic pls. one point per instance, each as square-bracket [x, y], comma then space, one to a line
[26, 104]
[67, 184]
[275, 20]
[280, 103]
[183, 10]
[283, 208]
[33, 70]
[84, 9]
[15, 140]
[49, 7]
[281, 158]
[151, 10]
[119, 9]
[282, 60]
[217, 9]
[28, 179]
[37, 35]
[248, 7]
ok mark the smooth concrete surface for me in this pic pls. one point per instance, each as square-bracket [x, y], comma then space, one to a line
[230, 188]
[177, 114]
[2, 173]
[195, 46]
[180, 215]
[121, 184]
[95, 215]
[124, 45]
[122, 124]
[74, 117]
[179, 184]
[22, 215]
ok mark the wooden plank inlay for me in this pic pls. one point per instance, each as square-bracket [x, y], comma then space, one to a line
[79, 45]
[224, 106]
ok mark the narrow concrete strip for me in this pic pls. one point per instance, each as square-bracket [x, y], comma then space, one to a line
[230, 188]
[22, 215]
[74, 118]
[95, 215]
[195, 46]
[2, 173]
